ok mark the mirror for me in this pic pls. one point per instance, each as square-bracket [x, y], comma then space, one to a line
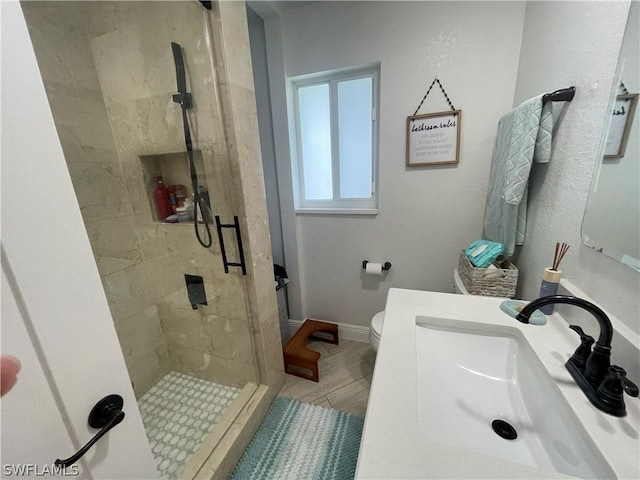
[611, 223]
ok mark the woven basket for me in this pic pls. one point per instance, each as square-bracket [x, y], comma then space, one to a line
[484, 281]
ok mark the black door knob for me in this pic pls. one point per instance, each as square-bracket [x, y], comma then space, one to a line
[106, 414]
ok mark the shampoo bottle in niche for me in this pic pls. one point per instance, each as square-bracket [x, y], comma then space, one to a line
[161, 198]
[181, 194]
[172, 197]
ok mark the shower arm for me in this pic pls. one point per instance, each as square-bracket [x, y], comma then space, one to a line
[184, 99]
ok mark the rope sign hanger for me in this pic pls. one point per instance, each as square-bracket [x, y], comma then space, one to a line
[443, 92]
[433, 138]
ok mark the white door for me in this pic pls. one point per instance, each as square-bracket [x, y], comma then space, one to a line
[55, 316]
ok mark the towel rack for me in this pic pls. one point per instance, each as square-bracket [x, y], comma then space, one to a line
[562, 95]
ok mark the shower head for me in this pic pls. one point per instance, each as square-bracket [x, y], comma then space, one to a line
[182, 97]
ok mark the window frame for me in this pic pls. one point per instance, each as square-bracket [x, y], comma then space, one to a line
[337, 204]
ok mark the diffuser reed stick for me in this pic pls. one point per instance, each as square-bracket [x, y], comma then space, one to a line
[561, 251]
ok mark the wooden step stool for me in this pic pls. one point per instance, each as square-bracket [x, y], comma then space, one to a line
[296, 353]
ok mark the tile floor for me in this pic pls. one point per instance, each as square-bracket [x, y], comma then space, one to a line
[178, 414]
[345, 377]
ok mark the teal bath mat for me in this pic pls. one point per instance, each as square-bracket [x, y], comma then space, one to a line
[299, 441]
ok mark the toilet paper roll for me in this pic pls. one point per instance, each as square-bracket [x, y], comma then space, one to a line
[374, 269]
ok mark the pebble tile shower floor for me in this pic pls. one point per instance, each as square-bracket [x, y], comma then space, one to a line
[178, 413]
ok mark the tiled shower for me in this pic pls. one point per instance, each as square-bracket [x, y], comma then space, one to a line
[109, 76]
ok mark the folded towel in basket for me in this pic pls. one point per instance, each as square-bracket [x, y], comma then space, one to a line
[482, 253]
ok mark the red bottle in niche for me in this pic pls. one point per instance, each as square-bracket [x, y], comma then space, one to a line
[161, 197]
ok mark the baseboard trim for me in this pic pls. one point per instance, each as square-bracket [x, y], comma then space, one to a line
[346, 331]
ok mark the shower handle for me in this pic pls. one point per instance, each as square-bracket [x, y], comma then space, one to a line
[106, 414]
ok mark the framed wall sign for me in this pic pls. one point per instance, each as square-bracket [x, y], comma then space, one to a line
[433, 138]
[623, 113]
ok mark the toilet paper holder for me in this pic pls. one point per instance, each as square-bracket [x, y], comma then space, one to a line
[385, 265]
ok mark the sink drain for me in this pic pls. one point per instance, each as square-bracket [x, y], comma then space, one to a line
[504, 429]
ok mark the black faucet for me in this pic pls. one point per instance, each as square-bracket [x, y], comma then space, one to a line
[602, 383]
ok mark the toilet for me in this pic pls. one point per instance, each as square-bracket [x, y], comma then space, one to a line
[376, 329]
[378, 319]
[458, 286]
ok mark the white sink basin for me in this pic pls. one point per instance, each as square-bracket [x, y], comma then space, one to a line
[437, 387]
[470, 374]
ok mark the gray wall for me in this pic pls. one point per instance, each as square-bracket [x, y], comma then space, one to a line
[426, 215]
[263, 103]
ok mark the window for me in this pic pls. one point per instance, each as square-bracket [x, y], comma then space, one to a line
[336, 141]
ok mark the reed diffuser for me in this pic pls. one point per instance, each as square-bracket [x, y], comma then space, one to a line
[551, 276]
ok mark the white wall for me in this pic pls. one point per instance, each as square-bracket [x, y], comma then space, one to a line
[585, 39]
[426, 215]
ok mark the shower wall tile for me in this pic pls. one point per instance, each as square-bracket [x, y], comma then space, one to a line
[221, 184]
[177, 305]
[230, 338]
[160, 123]
[147, 126]
[100, 190]
[141, 335]
[61, 53]
[207, 366]
[82, 112]
[125, 52]
[270, 351]
[109, 16]
[109, 265]
[148, 371]
[132, 290]
[220, 62]
[221, 336]
[82, 124]
[179, 319]
[75, 151]
[236, 44]
[224, 291]
[53, 18]
[165, 279]
[128, 50]
[114, 238]
[273, 352]
[125, 128]
[231, 161]
[190, 255]
[140, 193]
[157, 240]
[128, 291]
[196, 340]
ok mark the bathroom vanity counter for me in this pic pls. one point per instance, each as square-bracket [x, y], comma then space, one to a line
[394, 442]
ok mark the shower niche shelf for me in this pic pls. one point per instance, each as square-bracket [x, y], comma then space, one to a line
[174, 170]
